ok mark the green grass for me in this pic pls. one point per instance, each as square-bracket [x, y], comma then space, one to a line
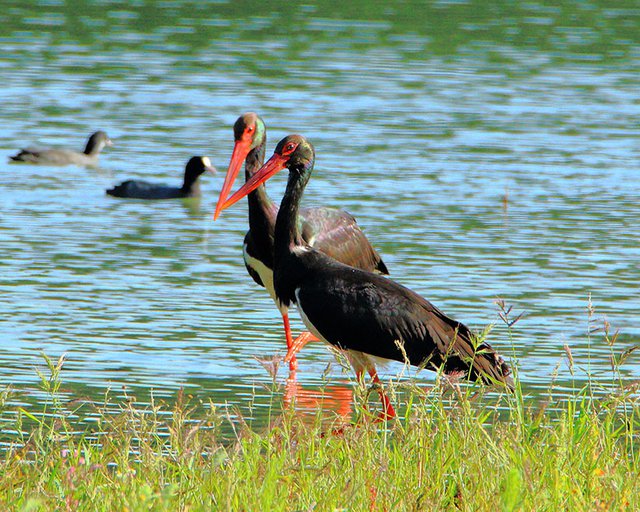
[453, 448]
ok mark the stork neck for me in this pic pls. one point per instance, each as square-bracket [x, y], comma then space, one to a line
[261, 207]
[254, 160]
[287, 227]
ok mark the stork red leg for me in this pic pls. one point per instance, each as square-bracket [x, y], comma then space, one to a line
[293, 362]
[298, 344]
[389, 411]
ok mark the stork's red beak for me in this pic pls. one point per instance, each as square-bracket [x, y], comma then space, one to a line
[274, 165]
[240, 152]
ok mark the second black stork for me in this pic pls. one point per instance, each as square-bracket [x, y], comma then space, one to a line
[364, 314]
[329, 230]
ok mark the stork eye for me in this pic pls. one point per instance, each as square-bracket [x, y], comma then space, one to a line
[249, 129]
[289, 148]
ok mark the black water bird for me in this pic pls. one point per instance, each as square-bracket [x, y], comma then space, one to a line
[52, 156]
[138, 189]
[364, 314]
[331, 231]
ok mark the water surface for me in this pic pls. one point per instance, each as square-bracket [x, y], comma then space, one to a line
[488, 152]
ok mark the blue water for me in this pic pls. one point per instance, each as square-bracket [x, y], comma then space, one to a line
[487, 153]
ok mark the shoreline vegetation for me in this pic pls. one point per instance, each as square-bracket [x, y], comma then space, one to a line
[453, 447]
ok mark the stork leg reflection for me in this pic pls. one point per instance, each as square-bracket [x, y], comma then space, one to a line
[336, 399]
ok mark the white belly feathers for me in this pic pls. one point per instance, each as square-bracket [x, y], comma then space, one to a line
[266, 276]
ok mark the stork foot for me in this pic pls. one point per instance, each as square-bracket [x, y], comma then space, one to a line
[297, 345]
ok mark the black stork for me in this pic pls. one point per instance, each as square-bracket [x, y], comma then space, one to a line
[329, 230]
[365, 315]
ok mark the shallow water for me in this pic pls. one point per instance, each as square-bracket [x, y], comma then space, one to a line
[487, 152]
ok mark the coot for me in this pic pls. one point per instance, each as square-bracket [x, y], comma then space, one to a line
[51, 156]
[137, 189]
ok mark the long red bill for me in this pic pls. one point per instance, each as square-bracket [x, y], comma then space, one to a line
[274, 165]
[240, 151]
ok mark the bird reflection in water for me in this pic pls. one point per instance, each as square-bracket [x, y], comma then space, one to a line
[341, 403]
[333, 401]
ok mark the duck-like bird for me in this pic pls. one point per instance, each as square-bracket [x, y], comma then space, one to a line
[52, 156]
[362, 313]
[331, 231]
[138, 189]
